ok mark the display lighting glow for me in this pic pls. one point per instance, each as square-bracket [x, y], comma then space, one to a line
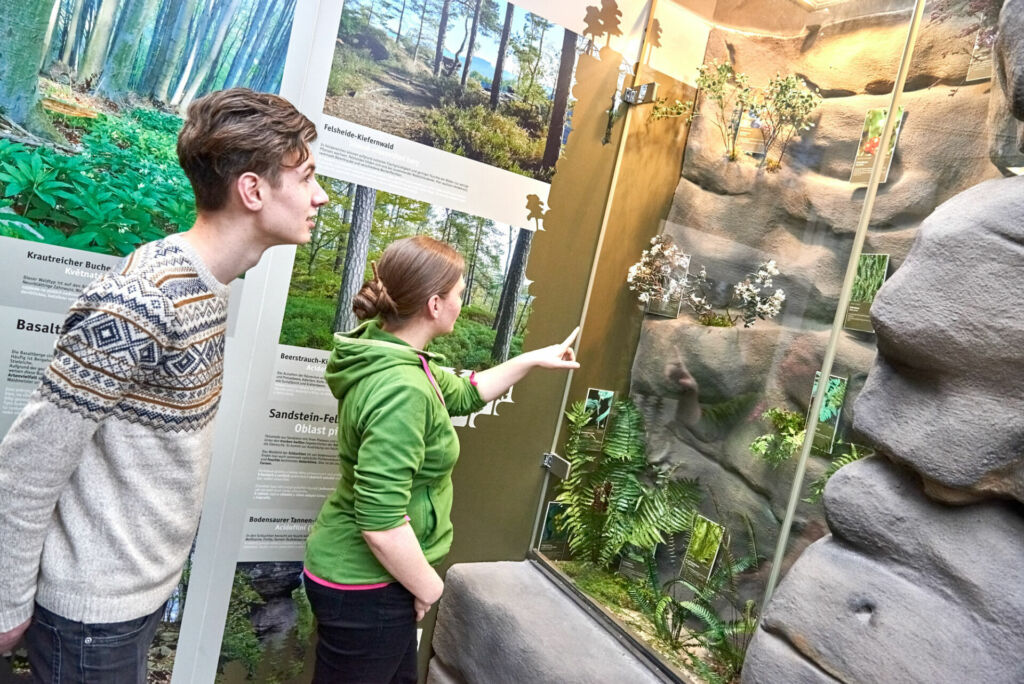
[1016, 170]
[820, 4]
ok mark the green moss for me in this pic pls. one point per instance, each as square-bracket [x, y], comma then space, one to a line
[716, 321]
[602, 585]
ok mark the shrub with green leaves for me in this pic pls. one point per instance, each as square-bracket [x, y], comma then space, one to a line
[240, 641]
[484, 135]
[730, 93]
[787, 435]
[785, 110]
[786, 438]
[351, 69]
[469, 345]
[663, 110]
[616, 497]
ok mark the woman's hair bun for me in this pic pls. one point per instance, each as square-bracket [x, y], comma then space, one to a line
[373, 299]
[410, 271]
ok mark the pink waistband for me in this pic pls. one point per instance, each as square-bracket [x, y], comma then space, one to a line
[344, 587]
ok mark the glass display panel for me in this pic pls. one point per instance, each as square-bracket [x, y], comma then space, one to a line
[735, 289]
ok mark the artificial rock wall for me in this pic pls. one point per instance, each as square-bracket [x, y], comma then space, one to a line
[703, 389]
[921, 576]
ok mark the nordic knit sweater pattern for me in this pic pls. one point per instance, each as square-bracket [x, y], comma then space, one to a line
[102, 474]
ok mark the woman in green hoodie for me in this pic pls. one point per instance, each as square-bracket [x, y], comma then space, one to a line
[370, 555]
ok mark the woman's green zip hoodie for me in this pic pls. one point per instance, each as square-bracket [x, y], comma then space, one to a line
[397, 448]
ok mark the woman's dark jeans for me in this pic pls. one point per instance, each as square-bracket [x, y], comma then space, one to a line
[365, 636]
[63, 651]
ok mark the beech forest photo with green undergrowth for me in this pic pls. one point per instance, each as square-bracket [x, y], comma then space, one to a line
[87, 139]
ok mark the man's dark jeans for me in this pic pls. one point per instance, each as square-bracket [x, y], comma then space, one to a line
[62, 651]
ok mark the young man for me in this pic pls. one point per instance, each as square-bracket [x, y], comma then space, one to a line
[102, 474]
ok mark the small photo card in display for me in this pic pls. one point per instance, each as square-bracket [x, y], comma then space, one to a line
[670, 305]
[599, 406]
[872, 270]
[632, 563]
[980, 67]
[554, 539]
[870, 142]
[828, 416]
[706, 537]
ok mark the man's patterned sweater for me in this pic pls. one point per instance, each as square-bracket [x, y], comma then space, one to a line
[102, 474]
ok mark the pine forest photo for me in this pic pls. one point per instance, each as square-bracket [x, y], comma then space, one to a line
[353, 229]
[482, 79]
[87, 141]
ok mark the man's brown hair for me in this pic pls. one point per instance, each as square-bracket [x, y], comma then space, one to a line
[235, 131]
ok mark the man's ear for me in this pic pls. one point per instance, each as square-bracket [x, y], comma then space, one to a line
[248, 187]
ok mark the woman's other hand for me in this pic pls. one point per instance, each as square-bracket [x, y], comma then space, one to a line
[422, 608]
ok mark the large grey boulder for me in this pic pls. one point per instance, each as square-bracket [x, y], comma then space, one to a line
[946, 393]
[1006, 146]
[906, 589]
[507, 622]
[1009, 62]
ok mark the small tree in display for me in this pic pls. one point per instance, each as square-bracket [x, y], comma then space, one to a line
[784, 112]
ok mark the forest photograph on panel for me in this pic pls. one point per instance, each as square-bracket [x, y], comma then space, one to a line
[353, 229]
[482, 79]
[91, 100]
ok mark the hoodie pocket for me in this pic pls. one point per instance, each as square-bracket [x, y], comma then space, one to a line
[431, 515]
[424, 518]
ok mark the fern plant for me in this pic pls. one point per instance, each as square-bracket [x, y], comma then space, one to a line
[615, 497]
[717, 647]
[724, 414]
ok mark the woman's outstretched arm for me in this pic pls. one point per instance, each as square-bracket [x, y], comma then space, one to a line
[494, 382]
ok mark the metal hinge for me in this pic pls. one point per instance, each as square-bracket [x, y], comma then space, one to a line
[556, 464]
[641, 94]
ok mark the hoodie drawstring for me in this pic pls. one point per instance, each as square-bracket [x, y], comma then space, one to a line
[430, 377]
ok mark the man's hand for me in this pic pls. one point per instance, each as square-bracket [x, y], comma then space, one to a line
[8, 640]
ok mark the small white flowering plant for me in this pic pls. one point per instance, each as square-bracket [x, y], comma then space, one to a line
[753, 297]
[661, 272]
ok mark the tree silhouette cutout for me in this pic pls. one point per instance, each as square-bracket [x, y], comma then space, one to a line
[653, 39]
[535, 207]
[594, 27]
[610, 21]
